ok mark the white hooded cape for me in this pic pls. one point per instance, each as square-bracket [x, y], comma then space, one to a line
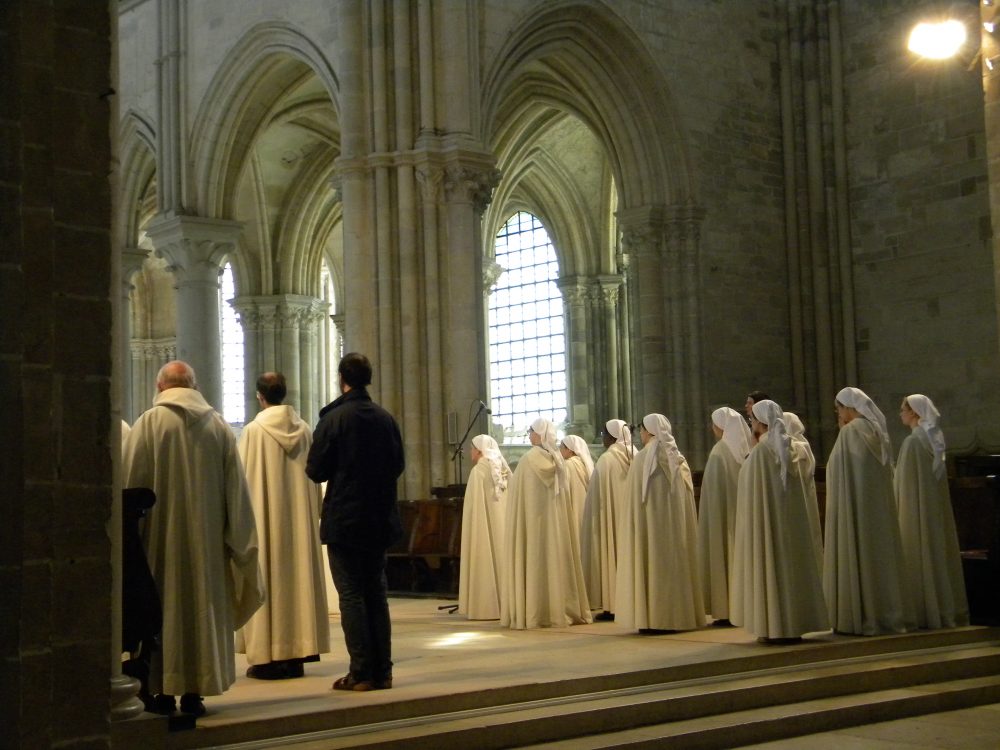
[481, 565]
[716, 526]
[930, 541]
[776, 590]
[659, 584]
[543, 581]
[602, 512]
[199, 538]
[293, 623]
[866, 590]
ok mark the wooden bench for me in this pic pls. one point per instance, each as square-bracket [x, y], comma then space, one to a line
[976, 504]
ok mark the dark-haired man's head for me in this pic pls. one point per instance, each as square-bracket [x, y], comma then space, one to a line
[271, 388]
[355, 371]
[752, 398]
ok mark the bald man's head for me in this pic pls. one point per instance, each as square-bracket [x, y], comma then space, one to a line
[175, 374]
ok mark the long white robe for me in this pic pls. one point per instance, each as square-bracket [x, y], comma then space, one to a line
[716, 526]
[481, 563]
[930, 541]
[776, 585]
[866, 590]
[293, 623]
[603, 508]
[543, 582]
[579, 482]
[659, 584]
[200, 539]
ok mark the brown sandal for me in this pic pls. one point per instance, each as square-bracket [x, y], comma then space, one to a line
[347, 682]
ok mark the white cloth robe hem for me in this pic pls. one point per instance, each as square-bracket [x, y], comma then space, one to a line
[716, 528]
[200, 539]
[294, 622]
[659, 584]
[930, 540]
[863, 580]
[776, 590]
[603, 508]
[481, 565]
[543, 582]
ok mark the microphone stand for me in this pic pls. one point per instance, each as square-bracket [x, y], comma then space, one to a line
[461, 443]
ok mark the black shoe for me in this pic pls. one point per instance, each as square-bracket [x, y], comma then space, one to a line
[605, 617]
[723, 623]
[191, 703]
[161, 704]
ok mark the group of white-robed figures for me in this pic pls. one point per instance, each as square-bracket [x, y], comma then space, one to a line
[562, 537]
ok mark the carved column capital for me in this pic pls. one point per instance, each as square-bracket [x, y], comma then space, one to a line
[194, 247]
[474, 185]
[574, 289]
[430, 178]
[492, 271]
[132, 259]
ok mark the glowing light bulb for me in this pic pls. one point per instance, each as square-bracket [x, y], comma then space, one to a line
[937, 40]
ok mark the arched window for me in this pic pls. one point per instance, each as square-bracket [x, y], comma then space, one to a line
[527, 344]
[233, 369]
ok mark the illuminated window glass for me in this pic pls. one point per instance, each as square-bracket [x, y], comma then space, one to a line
[233, 371]
[527, 345]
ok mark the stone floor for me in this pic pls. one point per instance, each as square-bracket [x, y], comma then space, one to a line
[441, 654]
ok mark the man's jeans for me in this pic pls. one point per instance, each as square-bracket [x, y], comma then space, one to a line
[359, 576]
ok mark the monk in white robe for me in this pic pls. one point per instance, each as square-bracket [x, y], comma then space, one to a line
[543, 584]
[926, 521]
[199, 538]
[602, 512]
[659, 584]
[293, 626]
[483, 516]
[866, 590]
[717, 509]
[776, 592]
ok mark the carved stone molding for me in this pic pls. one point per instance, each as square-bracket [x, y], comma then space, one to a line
[194, 247]
[575, 289]
[431, 182]
[492, 271]
[471, 184]
[608, 289]
[153, 349]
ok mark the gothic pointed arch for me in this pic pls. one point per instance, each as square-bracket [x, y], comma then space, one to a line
[137, 183]
[581, 58]
[270, 59]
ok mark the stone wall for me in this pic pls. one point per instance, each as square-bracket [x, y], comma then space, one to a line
[920, 225]
[55, 343]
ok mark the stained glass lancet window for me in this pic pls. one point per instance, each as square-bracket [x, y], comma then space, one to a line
[526, 335]
[233, 370]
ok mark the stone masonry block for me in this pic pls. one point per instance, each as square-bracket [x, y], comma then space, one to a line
[82, 199]
[38, 520]
[37, 605]
[37, 681]
[81, 141]
[37, 32]
[35, 96]
[79, 528]
[85, 455]
[82, 693]
[82, 336]
[10, 623]
[36, 183]
[84, 266]
[82, 60]
[83, 14]
[11, 292]
[37, 434]
[81, 586]
[10, 151]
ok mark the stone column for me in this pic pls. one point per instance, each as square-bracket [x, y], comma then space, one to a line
[132, 259]
[608, 287]
[580, 420]
[195, 249]
[642, 239]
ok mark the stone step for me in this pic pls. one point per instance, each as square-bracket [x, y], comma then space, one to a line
[743, 728]
[577, 714]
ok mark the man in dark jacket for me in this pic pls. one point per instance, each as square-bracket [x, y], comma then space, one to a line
[358, 451]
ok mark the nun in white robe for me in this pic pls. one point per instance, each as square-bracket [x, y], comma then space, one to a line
[580, 467]
[807, 477]
[776, 592]
[543, 582]
[659, 584]
[483, 516]
[602, 512]
[717, 509]
[866, 589]
[926, 521]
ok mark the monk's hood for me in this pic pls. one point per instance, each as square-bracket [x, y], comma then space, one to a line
[189, 402]
[284, 426]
